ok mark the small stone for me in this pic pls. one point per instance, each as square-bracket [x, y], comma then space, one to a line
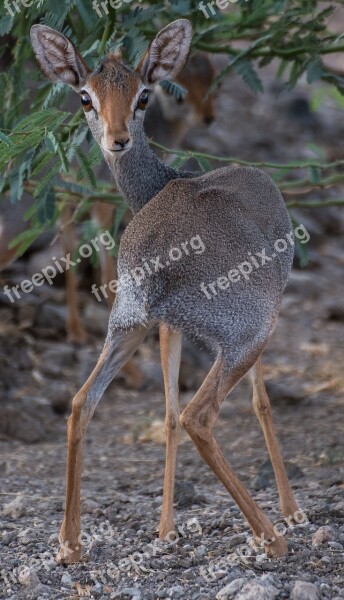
[89, 506]
[258, 590]
[132, 593]
[336, 546]
[16, 508]
[231, 589]
[28, 577]
[26, 536]
[8, 537]
[201, 551]
[236, 540]
[322, 535]
[66, 580]
[304, 590]
[177, 591]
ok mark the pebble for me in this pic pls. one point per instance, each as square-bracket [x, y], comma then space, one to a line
[16, 508]
[89, 506]
[177, 591]
[236, 540]
[336, 546]
[304, 590]
[231, 589]
[66, 580]
[322, 535]
[201, 551]
[132, 593]
[28, 577]
[26, 536]
[258, 590]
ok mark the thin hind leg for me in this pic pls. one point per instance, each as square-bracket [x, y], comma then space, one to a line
[170, 345]
[262, 408]
[117, 350]
[198, 419]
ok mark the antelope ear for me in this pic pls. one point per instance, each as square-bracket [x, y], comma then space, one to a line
[168, 53]
[58, 58]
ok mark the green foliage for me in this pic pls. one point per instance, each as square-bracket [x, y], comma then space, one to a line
[48, 152]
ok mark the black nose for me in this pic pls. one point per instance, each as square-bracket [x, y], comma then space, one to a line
[209, 120]
[121, 144]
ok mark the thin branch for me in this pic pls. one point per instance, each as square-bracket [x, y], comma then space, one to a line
[267, 165]
[315, 203]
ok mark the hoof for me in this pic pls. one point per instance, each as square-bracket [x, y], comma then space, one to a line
[277, 548]
[168, 532]
[68, 556]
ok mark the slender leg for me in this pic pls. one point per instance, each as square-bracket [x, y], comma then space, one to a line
[170, 345]
[262, 408]
[115, 354]
[75, 331]
[198, 419]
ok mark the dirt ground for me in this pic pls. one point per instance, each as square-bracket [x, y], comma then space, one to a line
[124, 450]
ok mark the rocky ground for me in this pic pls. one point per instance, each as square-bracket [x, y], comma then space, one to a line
[213, 556]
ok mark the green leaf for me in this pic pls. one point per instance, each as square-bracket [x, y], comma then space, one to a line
[49, 117]
[42, 161]
[47, 181]
[58, 148]
[25, 239]
[174, 89]
[46, 206]
[315, 70]
[179, 161]
[4, 138]
[302, 248]
[245, 69]
[6, 24]
[314, 175]
[85, 168]
[318, 151]
[204, 163]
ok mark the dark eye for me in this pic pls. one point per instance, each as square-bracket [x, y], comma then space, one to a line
[143, 100]
[86, 101]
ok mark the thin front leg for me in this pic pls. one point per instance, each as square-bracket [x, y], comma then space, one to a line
[115, 354]
[262, 408]
[170, 346]
[198, 419]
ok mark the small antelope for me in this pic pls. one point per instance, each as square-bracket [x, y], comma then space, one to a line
[168, 120]
[234, 211]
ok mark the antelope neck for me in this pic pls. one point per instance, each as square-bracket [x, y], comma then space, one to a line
[140, 174]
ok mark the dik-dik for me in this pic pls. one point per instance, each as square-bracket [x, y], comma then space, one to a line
[235, 212]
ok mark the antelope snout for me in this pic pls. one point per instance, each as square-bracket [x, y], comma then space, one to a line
[117, 142]
[121, 143]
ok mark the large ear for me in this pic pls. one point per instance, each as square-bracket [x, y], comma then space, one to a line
[58, 58]
[168, 53]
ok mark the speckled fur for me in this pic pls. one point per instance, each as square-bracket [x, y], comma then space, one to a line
[234, 211]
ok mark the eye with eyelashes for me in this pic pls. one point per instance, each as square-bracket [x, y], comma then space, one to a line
[86, 101]
[143, 100]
